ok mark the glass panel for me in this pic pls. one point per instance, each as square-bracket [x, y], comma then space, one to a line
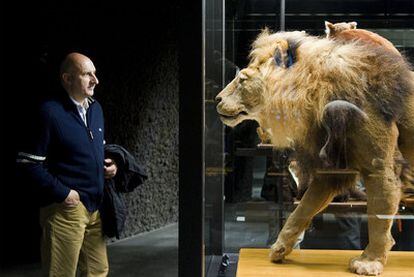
[251, 207]
[214, 135]
[263, 170]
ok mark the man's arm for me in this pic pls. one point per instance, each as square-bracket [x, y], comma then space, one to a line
[31, 160]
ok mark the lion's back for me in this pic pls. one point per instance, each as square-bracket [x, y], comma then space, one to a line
[366, 36]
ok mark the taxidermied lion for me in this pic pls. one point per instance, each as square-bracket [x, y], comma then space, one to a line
[341, 106]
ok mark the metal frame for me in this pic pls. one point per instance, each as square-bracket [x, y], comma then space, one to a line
[191, 140]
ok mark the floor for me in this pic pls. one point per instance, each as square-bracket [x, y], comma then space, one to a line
[151, 254]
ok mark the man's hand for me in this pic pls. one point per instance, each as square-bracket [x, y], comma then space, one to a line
[110, 168]
[72, 200]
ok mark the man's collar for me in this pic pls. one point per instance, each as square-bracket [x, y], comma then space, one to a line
[85, 103]
[90, 100]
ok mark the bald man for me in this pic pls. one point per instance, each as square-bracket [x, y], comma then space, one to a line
[65, 160]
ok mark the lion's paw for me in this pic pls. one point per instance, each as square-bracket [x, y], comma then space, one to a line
[363, 266]
[278, 251]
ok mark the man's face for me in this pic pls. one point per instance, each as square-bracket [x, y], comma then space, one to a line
[83, 79]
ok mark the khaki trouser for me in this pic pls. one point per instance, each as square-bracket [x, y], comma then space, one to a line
[69, 235]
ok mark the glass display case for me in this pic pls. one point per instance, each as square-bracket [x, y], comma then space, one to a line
[250, 185]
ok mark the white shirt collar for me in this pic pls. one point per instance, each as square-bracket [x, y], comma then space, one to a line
[84, 105]
[82, 108]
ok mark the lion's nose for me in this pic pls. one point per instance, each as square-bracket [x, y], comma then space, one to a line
[218, 99]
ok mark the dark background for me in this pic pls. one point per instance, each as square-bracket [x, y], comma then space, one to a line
[134, 48]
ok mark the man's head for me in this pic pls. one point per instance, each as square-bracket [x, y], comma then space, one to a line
[77, 74]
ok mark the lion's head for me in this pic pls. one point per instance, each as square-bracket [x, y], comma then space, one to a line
[242, 98]
[248, 94]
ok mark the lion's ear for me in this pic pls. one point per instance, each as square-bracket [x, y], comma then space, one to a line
[353, 24]
[329, 27]
[284, 54]
[265, 31]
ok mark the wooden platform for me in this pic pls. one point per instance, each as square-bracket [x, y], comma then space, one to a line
[254, 262]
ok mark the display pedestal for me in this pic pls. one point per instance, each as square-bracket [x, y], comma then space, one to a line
[254, 262]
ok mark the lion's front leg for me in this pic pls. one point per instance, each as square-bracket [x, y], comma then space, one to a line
[315, 199]
[383, 196]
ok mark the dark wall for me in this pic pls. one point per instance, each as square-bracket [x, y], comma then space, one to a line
[135, 52]
[142, 114]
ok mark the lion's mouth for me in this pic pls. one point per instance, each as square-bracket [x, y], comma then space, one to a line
[229, 117]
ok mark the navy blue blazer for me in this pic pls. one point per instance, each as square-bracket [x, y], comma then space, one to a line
[66, 154]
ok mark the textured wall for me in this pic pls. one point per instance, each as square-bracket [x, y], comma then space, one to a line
[140, 104]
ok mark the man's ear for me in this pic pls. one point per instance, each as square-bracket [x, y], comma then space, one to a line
[285, 54]
[67, 78]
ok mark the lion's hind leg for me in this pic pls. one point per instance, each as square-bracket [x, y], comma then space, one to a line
[406, 147]
[383, 196]
[406, 130]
